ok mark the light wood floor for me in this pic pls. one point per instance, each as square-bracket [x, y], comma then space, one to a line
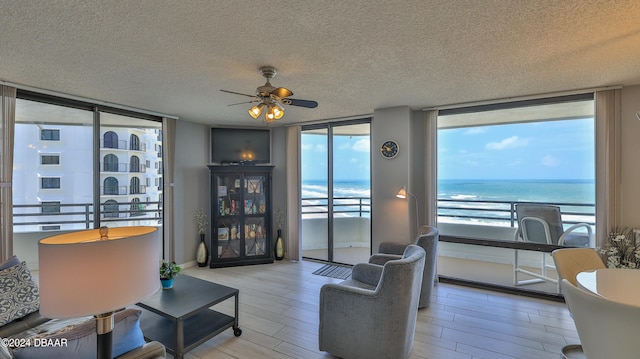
[279, 319]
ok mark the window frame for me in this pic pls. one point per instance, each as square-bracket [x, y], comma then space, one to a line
[50, 178]
[49, 155]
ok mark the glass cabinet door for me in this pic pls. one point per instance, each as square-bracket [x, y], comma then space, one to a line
[228, 219]
[255, 206]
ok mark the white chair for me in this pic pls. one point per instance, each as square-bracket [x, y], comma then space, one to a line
[542, 223]
[606, 329]
[569, 262]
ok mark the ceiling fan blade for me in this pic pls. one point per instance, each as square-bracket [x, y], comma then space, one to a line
[282, 92]
[302, 103]
[241, 103]
[238, 93]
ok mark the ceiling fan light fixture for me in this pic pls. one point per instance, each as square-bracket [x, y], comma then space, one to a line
[256, 110]
[278, 111]
[270, 116]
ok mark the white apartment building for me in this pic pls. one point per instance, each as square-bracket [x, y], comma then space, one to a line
[53, 182]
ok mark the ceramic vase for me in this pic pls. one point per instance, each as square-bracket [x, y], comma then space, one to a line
[278, 249]
[202, 254]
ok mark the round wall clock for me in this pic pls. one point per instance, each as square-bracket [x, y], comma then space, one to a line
[389, 149]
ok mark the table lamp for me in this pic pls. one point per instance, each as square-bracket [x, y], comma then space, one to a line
[97, 272]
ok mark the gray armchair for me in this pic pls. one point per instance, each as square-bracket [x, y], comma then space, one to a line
[373, 314]
[428, 240]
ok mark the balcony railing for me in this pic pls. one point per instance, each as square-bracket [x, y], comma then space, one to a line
[343, 206]
[122, 167]
[503, 213]
[122, 145]
[82, 214]
[496, 213]
[122, 190]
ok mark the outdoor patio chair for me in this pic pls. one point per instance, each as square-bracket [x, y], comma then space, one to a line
[542, 223]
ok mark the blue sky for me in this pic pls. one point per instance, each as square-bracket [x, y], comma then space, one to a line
[539, 150]
[351, 157]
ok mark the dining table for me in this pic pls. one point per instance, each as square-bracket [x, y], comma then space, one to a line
[616, 284]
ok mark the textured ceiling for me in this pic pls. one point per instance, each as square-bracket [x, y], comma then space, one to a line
[352, 57]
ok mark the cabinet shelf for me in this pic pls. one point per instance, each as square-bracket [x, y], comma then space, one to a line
[241, 215]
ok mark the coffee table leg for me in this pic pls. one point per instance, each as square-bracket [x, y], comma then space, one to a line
[179, 339]
[236, 328]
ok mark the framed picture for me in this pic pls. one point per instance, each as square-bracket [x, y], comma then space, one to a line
[223, 233]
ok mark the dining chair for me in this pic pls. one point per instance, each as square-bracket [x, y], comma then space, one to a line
[569, 262]
[607, 329]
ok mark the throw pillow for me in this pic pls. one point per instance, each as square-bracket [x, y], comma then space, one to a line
[80, 341]
[13, 261]
[19, 294]
[4, 352]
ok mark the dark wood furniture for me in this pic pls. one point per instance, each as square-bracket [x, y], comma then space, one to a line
[241, 215]
[180, 317]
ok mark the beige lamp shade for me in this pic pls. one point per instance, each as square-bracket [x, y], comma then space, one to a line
[82, 274]
[402, 193]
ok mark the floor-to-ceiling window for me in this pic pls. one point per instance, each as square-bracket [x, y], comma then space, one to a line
[492, 159]
[73, 169]
[336, 195]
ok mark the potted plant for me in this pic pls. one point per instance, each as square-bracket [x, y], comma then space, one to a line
[622, 248]
[168, 270]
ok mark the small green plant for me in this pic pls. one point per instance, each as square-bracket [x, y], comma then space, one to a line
[168, 270]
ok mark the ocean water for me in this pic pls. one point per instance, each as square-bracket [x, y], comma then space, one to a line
[575, 197]
[553, 191]
[469, 193]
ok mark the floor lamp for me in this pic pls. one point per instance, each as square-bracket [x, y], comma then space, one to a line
[402, 194]
[98, 272]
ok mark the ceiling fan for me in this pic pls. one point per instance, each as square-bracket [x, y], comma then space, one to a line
[271, 98]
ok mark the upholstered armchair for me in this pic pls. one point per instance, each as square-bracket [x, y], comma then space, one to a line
[373, 314]
[428, 240]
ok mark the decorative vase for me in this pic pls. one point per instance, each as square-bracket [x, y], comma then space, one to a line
[202, 254]
[278, 249]
[167, 283]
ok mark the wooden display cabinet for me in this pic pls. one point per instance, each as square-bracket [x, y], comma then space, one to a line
[241, 215]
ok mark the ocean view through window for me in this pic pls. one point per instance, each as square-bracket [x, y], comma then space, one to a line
[336, 192]
[489, 159]
[494, 159]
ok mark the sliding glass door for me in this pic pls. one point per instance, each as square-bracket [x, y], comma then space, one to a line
[336, 199]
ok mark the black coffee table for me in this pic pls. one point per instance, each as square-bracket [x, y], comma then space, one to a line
[180, 318]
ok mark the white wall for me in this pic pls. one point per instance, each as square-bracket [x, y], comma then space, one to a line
[348, 232]
[394, 219]
[191, 187]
